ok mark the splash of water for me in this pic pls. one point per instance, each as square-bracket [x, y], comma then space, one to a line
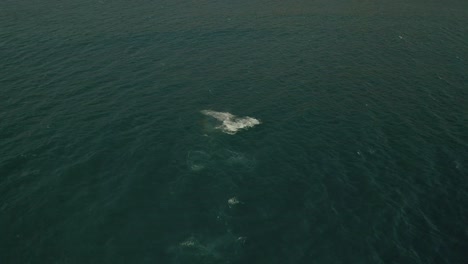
[231, 124]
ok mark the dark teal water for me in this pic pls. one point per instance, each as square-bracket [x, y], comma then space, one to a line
[361, 155]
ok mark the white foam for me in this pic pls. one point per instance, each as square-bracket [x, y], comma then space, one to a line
[233, 201]
[231, 123]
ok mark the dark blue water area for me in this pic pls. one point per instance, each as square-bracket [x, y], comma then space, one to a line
[359, 154]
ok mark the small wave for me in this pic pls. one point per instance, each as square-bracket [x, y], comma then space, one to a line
[237, 159]
[231, 123]
[198, 160]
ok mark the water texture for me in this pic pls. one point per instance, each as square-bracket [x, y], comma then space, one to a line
[233, 131]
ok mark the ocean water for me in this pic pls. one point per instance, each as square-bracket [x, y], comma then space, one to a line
[217, 131]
